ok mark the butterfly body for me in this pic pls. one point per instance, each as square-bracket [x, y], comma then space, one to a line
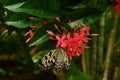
[55, 59]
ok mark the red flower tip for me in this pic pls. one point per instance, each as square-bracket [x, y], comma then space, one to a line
[29, 32]
[56, 27]
[86, 46]
[32, 18]
[93, 34]
[52, 38]
[50, 32]
[33, 27]
[27, 40]
[31, 35]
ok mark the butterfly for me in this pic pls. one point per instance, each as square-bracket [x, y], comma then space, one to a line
[55, 59]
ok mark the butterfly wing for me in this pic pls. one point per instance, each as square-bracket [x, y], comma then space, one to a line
[61, 60]
[55, 59]
[47, 61]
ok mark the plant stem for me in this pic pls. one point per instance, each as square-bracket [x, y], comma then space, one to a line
[94, 58]
[100, 46]
[110, 47]
[87, 59]
[83, 63]
[115, 73]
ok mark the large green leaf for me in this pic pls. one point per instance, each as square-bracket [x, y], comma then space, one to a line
[9, 2]
[51, 9]
[86, 20]
[13, 7]
[19, 20]
[37, 12]
[46, 9]
[21, 23]
[35, 9]
[34, 4]
[79, 13]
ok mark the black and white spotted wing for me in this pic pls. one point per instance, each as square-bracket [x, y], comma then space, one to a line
[55, 59]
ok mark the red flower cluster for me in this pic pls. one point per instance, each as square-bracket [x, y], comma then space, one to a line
[117, 8]
[72, 43]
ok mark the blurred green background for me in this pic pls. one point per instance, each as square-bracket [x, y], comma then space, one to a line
[18, 59]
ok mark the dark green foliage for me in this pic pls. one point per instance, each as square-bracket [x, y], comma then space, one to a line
[2, 72]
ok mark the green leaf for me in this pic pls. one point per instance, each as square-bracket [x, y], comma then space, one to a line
[42, 39]
[21, 23]
[41, 35]
[91, 19]
[36, 58]
[13, 16]
[79, 14]
[2, 72]
[19, 20]
[13, 7]
[86, 20]
[33, 9]
[37, 12]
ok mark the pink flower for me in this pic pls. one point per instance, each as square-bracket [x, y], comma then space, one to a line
[93, 34]
[61, 41]
[50, 32]
[85, 30]
[73, 43]
[31, 35]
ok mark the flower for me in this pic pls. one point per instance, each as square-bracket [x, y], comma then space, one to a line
[50, 32]
[61, 41]
[72, 42]
[31, 33]
[117, 8]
